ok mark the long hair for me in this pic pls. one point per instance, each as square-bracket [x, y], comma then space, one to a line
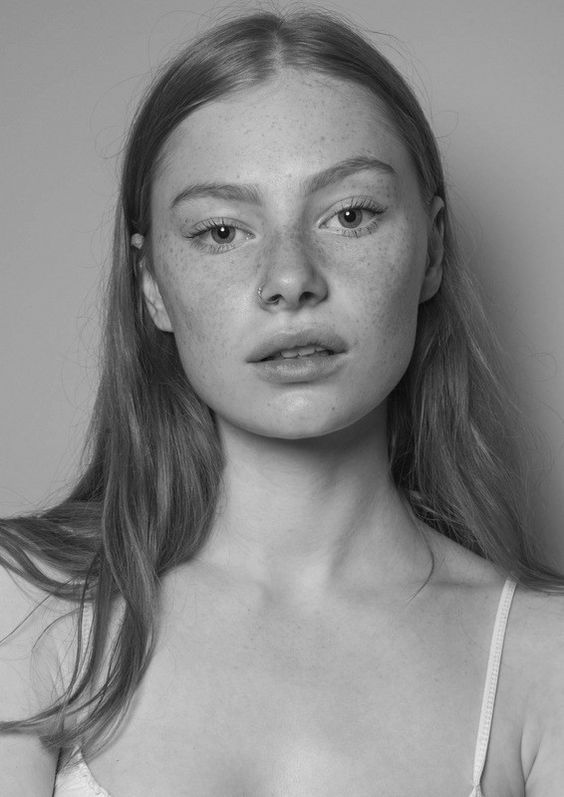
[147, 496]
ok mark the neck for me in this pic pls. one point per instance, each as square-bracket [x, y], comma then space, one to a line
[301, 516]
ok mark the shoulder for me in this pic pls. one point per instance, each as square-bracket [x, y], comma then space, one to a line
[535, 630]
[536, 639]
[531, 687]
[460, 569]
[535, 652]
[37, 633]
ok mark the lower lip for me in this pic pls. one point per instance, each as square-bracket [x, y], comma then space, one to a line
[298, 369]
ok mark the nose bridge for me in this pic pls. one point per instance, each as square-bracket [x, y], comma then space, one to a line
[292, 268]
[288, 250]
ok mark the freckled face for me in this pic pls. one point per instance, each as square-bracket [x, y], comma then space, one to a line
[343, 247]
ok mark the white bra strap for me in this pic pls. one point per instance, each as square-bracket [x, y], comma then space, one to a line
[492, 676]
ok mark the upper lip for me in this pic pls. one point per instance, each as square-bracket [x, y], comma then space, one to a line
[294, 338]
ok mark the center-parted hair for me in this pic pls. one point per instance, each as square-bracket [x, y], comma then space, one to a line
[146, 498]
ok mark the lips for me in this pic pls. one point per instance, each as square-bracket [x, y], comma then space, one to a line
[293, 344]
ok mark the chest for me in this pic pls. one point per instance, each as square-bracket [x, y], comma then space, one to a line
[283, 708]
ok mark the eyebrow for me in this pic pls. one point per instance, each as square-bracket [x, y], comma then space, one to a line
[251, 193]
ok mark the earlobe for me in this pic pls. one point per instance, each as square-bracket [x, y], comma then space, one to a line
[154, 301]
[435, 251]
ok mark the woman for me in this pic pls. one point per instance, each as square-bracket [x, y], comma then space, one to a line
[299, 532]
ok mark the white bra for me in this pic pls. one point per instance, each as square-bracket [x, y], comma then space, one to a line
[76, 779]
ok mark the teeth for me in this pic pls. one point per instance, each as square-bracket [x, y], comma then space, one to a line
[301, 351]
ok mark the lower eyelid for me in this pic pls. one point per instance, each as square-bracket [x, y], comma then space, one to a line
[358, 232]
[196, 238]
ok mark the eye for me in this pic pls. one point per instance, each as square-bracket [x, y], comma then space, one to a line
[351, 217]
[355, 217]
[218, 235]
[223, 234]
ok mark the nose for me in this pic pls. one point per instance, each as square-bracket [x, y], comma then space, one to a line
[291, 275]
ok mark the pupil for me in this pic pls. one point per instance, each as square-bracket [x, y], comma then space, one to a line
[350, 218]
[223, 232]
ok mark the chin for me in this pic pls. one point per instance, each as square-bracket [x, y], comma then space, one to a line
[318, 424]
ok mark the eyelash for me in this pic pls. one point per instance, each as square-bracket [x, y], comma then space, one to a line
[206, 226]
[213, 224]
[359, 203]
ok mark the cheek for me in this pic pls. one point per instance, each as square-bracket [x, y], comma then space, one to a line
[386, 294]
[189, 301]
[389, 283]
[201, 304]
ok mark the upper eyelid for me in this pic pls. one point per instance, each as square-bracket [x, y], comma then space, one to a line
[364, 203]
[219, 221]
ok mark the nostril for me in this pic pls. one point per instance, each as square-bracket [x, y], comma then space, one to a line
[307, 296]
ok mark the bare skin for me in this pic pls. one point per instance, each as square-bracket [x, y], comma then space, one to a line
[305, 651]
[364, 692]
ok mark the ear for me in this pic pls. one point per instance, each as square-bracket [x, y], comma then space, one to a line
[435, 251]
[154, 301]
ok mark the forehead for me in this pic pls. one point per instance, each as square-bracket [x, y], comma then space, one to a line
[295, 124]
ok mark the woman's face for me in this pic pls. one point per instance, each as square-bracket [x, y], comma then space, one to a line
[299, 188]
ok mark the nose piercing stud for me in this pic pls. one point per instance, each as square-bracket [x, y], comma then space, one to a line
[274, 300]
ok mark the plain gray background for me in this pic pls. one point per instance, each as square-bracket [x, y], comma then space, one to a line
[489, 74]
